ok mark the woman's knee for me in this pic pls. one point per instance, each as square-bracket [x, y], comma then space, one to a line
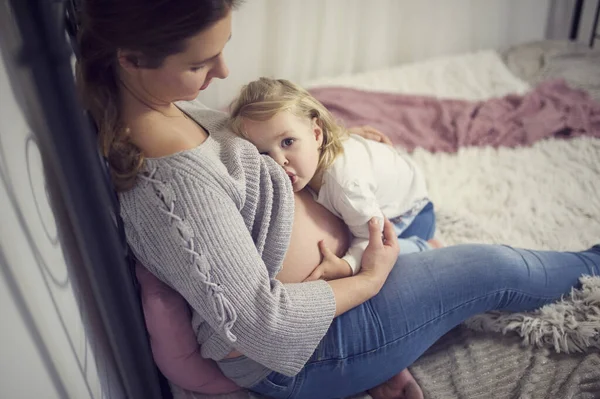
[457, 267]
[443, 287]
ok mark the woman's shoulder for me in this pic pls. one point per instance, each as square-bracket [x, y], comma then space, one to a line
[219, 167]
[210, 119]
[165, 183]
[160, 136]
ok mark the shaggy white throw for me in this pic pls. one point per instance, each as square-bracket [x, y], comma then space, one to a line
[543, 197]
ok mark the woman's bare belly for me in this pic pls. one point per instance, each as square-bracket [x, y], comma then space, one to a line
[312, 223]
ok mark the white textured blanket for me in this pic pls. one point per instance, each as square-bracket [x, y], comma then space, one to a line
[542, 197]
[545, 197]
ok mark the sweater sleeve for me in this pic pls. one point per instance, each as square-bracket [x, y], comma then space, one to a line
[198, 243]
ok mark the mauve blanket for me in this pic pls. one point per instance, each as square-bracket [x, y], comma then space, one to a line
[551, 109]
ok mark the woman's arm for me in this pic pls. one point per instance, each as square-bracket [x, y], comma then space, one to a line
[208, 256]
[377, 262]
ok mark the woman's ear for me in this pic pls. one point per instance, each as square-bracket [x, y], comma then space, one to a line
[317, 130]
[128, 60]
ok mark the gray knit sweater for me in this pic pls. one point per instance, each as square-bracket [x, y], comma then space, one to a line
[214, 223]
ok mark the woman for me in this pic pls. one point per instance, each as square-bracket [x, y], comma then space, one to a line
[213, 219]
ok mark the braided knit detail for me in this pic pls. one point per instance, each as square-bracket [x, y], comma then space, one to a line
[226, 313]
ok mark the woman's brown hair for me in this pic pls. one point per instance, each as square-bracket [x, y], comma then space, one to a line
[154, 29]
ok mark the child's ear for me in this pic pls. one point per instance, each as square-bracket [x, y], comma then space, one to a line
[317, 130]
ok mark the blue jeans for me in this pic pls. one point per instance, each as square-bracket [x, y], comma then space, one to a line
[414, 233]
[425, 296]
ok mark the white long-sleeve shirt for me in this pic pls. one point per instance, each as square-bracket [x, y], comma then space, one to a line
[370, 179]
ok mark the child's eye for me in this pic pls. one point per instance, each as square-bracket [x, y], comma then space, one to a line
[287, 142]
[196, 69]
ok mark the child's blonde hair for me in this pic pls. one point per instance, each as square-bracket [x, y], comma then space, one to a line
[264, 98]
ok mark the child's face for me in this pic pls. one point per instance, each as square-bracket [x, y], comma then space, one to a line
[291, 141]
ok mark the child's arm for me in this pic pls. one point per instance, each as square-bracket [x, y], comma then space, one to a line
[355, 252]
[331, 267]
[370, 133]
[357, 204]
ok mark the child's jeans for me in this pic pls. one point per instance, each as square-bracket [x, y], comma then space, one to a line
[413, 231]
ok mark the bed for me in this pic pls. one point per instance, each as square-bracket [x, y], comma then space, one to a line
[543, 195]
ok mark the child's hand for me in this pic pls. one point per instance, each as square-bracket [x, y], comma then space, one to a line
[331, 267]
[370, 133]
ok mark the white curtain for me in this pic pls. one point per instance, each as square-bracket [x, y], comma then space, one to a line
[302, 40]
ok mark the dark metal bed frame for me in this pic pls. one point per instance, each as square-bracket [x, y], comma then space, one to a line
[576, 21]
[38, 60]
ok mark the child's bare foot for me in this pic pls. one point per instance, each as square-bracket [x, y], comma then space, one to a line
[400, 386]
[435, 243]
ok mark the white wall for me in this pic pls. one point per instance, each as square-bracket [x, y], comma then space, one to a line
[47, 347]
[21, 363]
[307, 39]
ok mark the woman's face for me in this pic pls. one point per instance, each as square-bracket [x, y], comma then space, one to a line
[183, 75]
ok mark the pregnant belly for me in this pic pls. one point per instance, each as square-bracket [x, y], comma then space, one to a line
[312, 223]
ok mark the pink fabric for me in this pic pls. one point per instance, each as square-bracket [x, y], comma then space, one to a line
[174, 346]
[551, 109]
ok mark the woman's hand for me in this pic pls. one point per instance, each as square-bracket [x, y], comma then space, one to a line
[370, 133]
[331, 267]
[381, 254]
[377, 262]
